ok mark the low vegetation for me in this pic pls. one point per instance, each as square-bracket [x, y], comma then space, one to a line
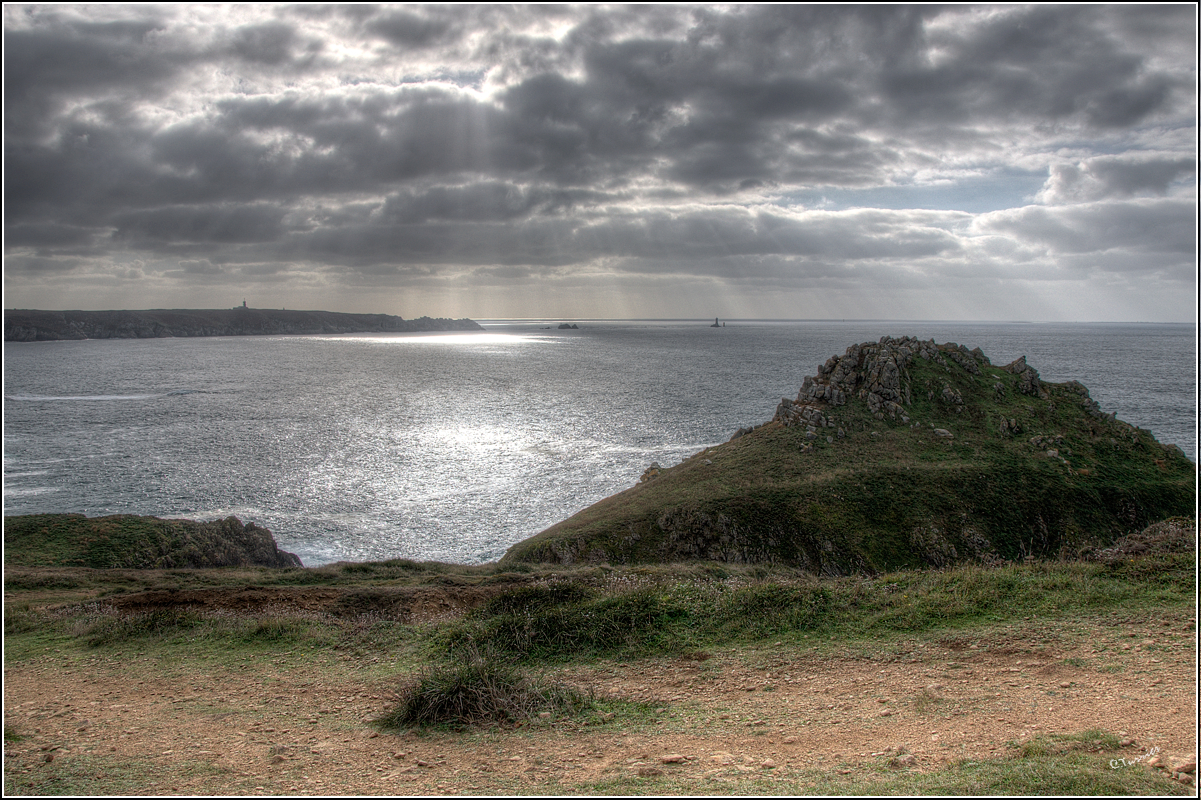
[479, 690]
[572, 613]
[494, 664]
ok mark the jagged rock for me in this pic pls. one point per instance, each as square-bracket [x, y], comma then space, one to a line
[951, 395]
[875, 372]
[1028, 382]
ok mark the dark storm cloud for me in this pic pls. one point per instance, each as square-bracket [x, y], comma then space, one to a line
[406, 29]
[57, 59]
[1047, 62]
[270, 43]
[1152, 226]
[408, 142]
[221, 225]
[1115, 177]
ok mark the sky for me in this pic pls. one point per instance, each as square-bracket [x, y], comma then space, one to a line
[1013, 162]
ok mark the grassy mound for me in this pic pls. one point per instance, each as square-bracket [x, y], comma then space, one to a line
[479, 691]
[128, 541]
[899, 454]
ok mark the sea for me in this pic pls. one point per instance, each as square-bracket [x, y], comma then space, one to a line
[454, 446]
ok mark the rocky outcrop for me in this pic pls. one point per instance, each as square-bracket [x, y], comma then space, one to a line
[1174, 535]
[23, 325]
[1028, 382]
[130, 541]
[876, 372]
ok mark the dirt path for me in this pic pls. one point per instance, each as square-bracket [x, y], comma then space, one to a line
[276, 726]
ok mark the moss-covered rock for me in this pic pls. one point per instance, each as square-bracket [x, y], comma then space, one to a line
[900, 453]
[128, 541]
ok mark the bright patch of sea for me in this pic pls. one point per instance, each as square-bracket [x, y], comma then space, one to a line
[455, 446]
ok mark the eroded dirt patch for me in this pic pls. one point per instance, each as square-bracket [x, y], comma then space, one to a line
[408, 604]
[277, 724]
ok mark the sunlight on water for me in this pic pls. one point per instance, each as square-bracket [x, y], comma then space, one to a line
[88, 397]
[436, 338]
[454, 453]
[480, 438]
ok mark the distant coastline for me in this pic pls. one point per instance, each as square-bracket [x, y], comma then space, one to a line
[27, 325]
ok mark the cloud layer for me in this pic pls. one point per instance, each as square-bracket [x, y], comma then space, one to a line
[593, 161]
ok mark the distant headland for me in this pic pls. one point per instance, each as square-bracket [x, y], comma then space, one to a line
[26, 325]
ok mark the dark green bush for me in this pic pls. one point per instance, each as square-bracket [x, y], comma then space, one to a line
[536, 598]
[110, 629]
[479, 691]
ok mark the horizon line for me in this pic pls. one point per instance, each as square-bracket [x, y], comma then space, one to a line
[7, 311]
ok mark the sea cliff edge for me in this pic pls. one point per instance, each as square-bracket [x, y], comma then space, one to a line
[27, 325]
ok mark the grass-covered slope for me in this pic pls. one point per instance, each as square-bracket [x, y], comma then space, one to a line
[900, 453]
[125, 540]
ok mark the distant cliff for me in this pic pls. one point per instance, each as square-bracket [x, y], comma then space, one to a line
[22, 325]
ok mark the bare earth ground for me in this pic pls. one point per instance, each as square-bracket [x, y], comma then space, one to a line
[741, 720]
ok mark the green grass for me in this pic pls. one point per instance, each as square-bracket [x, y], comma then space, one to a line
[88, 774]
[1074, 765]
[691, 612]
[592, 612]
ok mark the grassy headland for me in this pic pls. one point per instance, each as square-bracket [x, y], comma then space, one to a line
[126, 540]
[900, 454]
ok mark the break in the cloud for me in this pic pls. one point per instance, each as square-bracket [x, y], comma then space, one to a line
[993, 162]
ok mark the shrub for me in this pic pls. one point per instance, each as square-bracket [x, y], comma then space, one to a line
[533, 598]
[479, 691]
[113, 628]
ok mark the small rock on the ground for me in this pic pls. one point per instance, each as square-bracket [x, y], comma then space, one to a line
[1185, 765]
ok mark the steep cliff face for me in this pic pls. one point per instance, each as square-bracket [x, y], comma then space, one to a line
[899, 453]
[36, 326]
[129, 541]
